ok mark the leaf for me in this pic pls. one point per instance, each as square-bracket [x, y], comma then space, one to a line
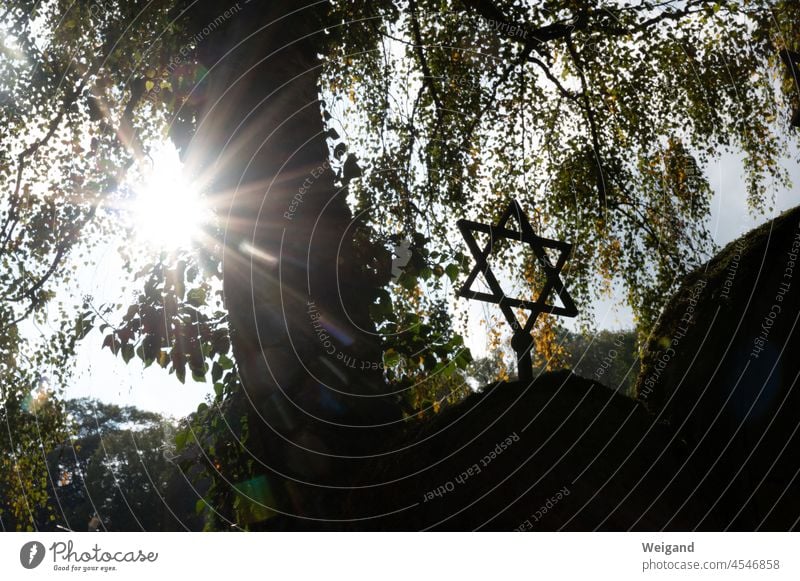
[221, 342]
[391, 358]
[407, 281]
[127, 353]
[132, 312]
[180, 439]
[163, 358]
[112, 343]
[216, 372]
[196, 297]
[84, 326]
[452, 272]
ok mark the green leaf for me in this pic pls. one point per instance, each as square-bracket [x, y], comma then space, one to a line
[196, 297]
[180, 440]
[407, 281]
[111, 342]
[127, 353]
[452, 272]
[85, 324]
[391, 358]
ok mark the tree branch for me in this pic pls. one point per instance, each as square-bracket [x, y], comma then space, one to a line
[546, 70]
[427, 77]
[583, 21]
[125, 137]
[68, 101]
[587, 107]
[531, 35]
[523, 56]
[62, 249]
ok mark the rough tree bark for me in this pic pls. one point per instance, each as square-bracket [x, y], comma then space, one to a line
[297, 285]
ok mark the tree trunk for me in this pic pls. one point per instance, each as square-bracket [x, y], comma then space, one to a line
[297, 286]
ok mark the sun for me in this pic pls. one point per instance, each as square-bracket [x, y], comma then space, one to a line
[168, 211]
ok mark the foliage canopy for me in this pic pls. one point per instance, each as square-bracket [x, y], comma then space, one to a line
[599, 117]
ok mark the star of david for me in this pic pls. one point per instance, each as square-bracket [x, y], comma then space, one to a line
[539, 246]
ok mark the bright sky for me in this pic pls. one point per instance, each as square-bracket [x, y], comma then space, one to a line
[729, 219]
[100, 374]
[166, 213]
[105, 377]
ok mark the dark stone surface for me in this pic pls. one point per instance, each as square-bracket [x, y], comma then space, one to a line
[722, 369]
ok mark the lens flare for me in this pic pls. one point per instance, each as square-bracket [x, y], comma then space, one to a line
[167, 210]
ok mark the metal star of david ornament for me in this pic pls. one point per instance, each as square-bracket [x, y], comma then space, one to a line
[522, 342]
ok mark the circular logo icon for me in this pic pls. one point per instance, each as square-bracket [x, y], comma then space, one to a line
[31, 554]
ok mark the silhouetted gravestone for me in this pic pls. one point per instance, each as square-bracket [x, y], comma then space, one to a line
[722, 369]
[710, 445]
[558, 453]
